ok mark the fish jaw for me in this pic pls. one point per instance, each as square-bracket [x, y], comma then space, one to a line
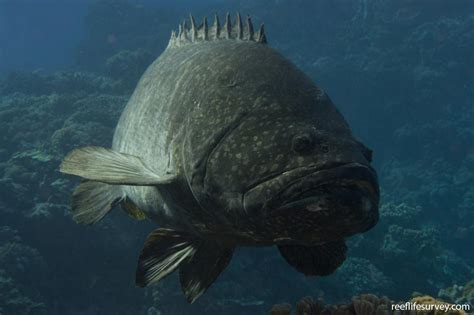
[322, 205]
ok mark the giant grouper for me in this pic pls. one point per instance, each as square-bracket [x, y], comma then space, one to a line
[226, 143]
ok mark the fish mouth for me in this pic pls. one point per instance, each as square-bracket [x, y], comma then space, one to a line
[299, 184]
[311, 198]
[343, 181]
[318, 206]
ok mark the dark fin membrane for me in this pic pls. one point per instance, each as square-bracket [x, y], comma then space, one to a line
[164, 251]
[132, 210]
[203, 33]
[91, 201]
[320, 260]
[199, 272]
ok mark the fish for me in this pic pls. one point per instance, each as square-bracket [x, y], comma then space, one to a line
[226, 143]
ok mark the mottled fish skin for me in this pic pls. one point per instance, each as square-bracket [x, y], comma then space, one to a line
[225, 116]
[226, 143]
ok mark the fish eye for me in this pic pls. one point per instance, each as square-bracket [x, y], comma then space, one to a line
[302, 143]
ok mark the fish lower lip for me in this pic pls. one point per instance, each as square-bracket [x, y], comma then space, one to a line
[353, 177]
[311, 204]
[264, 196]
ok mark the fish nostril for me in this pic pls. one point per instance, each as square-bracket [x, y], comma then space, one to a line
[324, 148]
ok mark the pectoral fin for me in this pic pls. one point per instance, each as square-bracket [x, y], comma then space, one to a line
[111, 167]
[199, 272]
[320, 260]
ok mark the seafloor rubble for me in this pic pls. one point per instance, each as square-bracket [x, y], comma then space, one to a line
[400, 73]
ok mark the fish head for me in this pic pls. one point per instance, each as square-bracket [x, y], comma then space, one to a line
[296, 173]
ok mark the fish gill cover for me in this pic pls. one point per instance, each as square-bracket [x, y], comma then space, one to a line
[401, 73]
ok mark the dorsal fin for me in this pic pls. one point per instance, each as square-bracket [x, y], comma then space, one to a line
[249, 33]
[228, 26]
[261, 38]
[205, 30]
[238, 27]
[229, 31]
[193, 28]
[216, 28]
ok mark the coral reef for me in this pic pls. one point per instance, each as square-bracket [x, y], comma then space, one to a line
[364, 304]
[112, 26]
[400, 71]
[401, 244]
[42, 118]
[19, 264]
[66, 82]
[13, 301]
[361, 275]
[429, 300]
[459, 294]
[128, 66]
[281, 309]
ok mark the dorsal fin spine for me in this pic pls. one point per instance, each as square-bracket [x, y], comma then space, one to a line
[229, 31]
[205, 29]
[249, 28]
[193, 28]
[238, 22]
[228, 27]
[217, 27]
[261, 38]
[184, 34]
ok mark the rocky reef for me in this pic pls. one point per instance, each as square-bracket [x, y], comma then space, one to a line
[401, 73]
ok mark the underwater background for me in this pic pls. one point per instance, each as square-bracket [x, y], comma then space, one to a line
[401, 72]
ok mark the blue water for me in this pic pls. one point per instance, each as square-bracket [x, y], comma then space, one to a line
[401, 72]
